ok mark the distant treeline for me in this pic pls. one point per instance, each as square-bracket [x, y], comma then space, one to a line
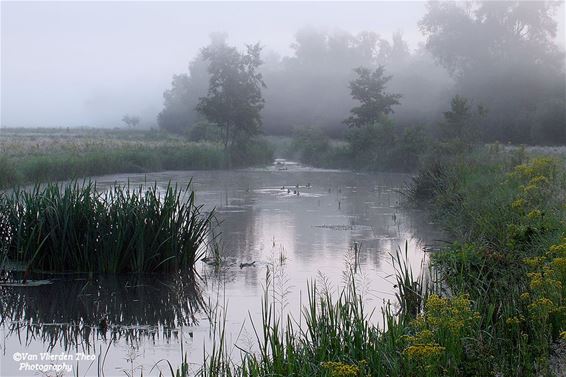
[499, 56]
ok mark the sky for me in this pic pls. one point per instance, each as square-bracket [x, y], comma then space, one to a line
[89, 63]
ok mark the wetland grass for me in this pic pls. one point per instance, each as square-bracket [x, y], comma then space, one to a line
[338, 336]
[37, 156]
[74, 227]
[68, 164]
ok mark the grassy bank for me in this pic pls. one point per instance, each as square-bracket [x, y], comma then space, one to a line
[507, 213]
[75, 228]
[31, 156]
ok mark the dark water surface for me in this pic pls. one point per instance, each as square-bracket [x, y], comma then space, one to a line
[125, 324]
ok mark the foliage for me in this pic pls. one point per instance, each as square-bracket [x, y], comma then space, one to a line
[340, 338]
[254, 151]
[382, 147]
[313, 147]
[8, 173]
[440, 336]
[68, 164]
[548, 122]
[461, 123]
[205, 131]
[374, 147]
[515, 40]
[337, 339]
[234, 99]
[312, 144]
[75, 227]
[180, 101]
[131, 121]
[493, 307]
[506, 214]
[307, 87]
[368, 88]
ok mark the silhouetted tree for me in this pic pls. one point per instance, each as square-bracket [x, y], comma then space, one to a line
[306, 89]
[501, 53]
[394, 53]
[368, 88]
[234, 99]
[470, 36]
[179, 113]
[131, 121]
[461, 122]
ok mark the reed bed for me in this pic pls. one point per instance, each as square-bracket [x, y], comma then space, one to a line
[75, 227]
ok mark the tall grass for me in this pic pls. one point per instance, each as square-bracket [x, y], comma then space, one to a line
[35, 158]
[74, 227]
[338, 336]
[37, 168]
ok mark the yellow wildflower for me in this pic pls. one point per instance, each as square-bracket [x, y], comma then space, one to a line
[534, 262]
[339, 369]
[511, 321]
[518, 203]
[424, 351]
[542, 307]
[535, 214]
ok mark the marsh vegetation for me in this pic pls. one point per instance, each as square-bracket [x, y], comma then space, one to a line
[73, 227]
[417, 188]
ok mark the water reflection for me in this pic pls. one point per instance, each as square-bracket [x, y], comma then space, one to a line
[73, 312]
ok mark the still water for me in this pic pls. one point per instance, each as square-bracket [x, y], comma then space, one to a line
[300, 224]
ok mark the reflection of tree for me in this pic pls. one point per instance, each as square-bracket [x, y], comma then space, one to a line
[73, 312]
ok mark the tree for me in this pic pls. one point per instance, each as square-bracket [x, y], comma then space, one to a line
[500, 53]
[306, 89]
[234, 98]
[179, 114]
[369, 88]
[131, 121]
[460, 122]
[395, 53]
[468, 36]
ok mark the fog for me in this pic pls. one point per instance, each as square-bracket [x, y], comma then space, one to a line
[84, 63]
[67, 64]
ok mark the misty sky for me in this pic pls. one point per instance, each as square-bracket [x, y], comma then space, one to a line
[89, 63]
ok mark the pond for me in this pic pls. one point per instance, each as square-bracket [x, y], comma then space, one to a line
[298, 223]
